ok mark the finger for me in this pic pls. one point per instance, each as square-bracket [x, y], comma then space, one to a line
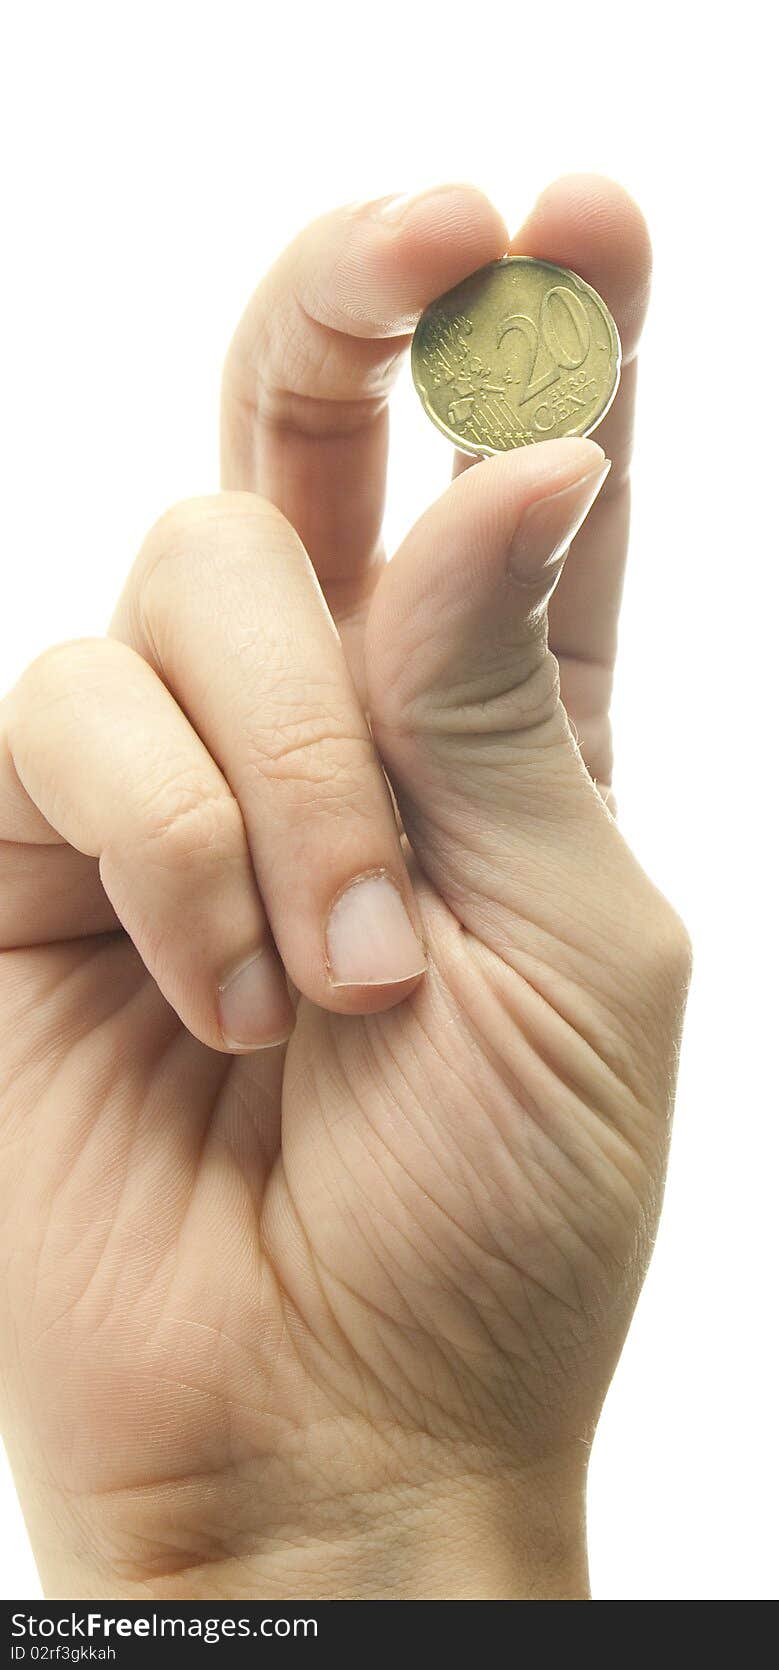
[96, 744]
[591, 225]
[48, 892]
[308, 373]
[464, 699]
[226, 606]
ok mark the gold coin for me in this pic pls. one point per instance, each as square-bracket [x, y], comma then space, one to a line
[521, 351]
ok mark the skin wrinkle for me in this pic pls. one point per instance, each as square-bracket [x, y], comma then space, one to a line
[341, 1282]
[451, 713]
[115, 1070]
[58, 982]
[270, 403]
[104, 1022]
[486, 1109]
[486, 971]
[363, 354]
[113, 1222]
[301, 414]
[356, 1305]
[378, 1216]
[512, 959]
[402, 1494]
[414, 1402]
[313, 1268]
[437, 1207]
[314, 761]
[415, 1182]
[182, 826]
[621, 1059]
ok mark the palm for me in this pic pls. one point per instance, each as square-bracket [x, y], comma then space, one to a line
[216, 1262]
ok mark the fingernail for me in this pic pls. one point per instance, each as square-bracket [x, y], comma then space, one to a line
[391, 208]
[548, 525]
[254, 1005]
[370, 940]
[394, 208]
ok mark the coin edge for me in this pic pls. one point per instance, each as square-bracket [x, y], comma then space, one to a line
[552, 266]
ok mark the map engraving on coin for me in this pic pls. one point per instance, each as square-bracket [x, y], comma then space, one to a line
[522, 351]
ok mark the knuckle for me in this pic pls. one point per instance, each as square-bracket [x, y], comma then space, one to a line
[188, 823]
[310, 750]
[194, 547]
[666, 947]
[69, 676]
[295, 355]
[208, 527]
[60, 666]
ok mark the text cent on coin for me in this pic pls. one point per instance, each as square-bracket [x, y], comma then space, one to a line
[521, 351]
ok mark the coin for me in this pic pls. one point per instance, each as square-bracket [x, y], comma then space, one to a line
[522, 351]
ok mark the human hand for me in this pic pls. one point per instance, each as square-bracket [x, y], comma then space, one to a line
[336, 1316]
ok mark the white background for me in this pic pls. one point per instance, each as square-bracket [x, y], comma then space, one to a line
[155, 159]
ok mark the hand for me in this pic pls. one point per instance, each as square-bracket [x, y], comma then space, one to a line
[335, 1316]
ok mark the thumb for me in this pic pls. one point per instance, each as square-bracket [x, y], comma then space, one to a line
[463, 691]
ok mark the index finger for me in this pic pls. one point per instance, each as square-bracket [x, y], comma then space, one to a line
[304, 417]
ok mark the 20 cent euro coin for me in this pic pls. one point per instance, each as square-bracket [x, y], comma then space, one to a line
[521, 351]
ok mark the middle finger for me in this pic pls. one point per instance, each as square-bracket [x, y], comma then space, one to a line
[304, 411]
